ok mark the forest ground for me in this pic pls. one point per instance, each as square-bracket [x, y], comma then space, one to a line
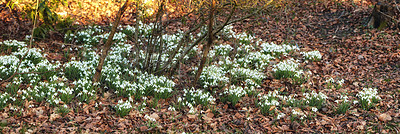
[362, 56]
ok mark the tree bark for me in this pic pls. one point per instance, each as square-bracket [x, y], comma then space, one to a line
[107, 46]
[381, 16]
[209, 43]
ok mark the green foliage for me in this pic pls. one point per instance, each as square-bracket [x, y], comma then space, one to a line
[63, 110]
[343, 107]
[4, 98]
[123, 108]
[66, 94]
[49, 20]
[12, 88]
[268, 103]
[314, 99]
[368, 97]
[233, 94]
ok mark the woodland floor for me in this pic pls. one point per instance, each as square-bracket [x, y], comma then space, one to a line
[362, 56]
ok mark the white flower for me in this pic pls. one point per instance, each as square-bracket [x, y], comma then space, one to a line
[313, 55]
[314, 109]
[280, 115]
[149, 118]
[171, 108]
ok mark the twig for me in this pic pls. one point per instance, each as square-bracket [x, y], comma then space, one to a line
[398, 21]
[396, 5]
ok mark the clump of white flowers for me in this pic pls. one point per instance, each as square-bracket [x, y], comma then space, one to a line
[84, 89]
[277, 50]
[242, 74]
[182, 102]
[255, 60]
[286, 69]
[85, 36]
[233, 94]
[280, 116]
[198, 97]
[268, 103]
[159, 86]
[222, 50]
[291, 101]
[213, 76]
[314, 99]
[14, 45]
[228, 31]
[151, 122]
[244, 50]
[75, 70]
[343, 104]
[367, 98]
[12, 88]
[47, 69]
[66, 94]
[312, 55]
[149, 118]
[33, 57]
[297, 114]
[4, 98]
[331, 83]
[123, 108]
[8, 65]
[243, 38]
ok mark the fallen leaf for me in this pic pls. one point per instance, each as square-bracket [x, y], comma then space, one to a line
[207, 119]
[191, 117]
[384, 117]
[39, 111]
[155, 116]
[238, 115]
[54, 116]
[143, 128]
[210, 115]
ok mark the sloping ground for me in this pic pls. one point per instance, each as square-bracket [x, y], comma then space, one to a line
[362, 57]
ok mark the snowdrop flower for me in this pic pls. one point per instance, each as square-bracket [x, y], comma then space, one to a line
[213, 76]
[312, 55]
[277, 49]
[330, 80]
[149, 118]
[171, 108]
[340, 82]
[280, 115]
[314, 109]
[368, 94]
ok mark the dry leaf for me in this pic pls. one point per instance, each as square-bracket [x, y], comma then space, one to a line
[191, 117]
[54, 116]
[384, 117]
[143, 128]
[207, 119]
[155, 116]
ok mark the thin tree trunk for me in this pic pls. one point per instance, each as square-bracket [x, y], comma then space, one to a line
[107, 46]
[209, 43]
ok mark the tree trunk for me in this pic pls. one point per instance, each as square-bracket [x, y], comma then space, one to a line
[381, 16]
[209, 43]
[107, 46]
